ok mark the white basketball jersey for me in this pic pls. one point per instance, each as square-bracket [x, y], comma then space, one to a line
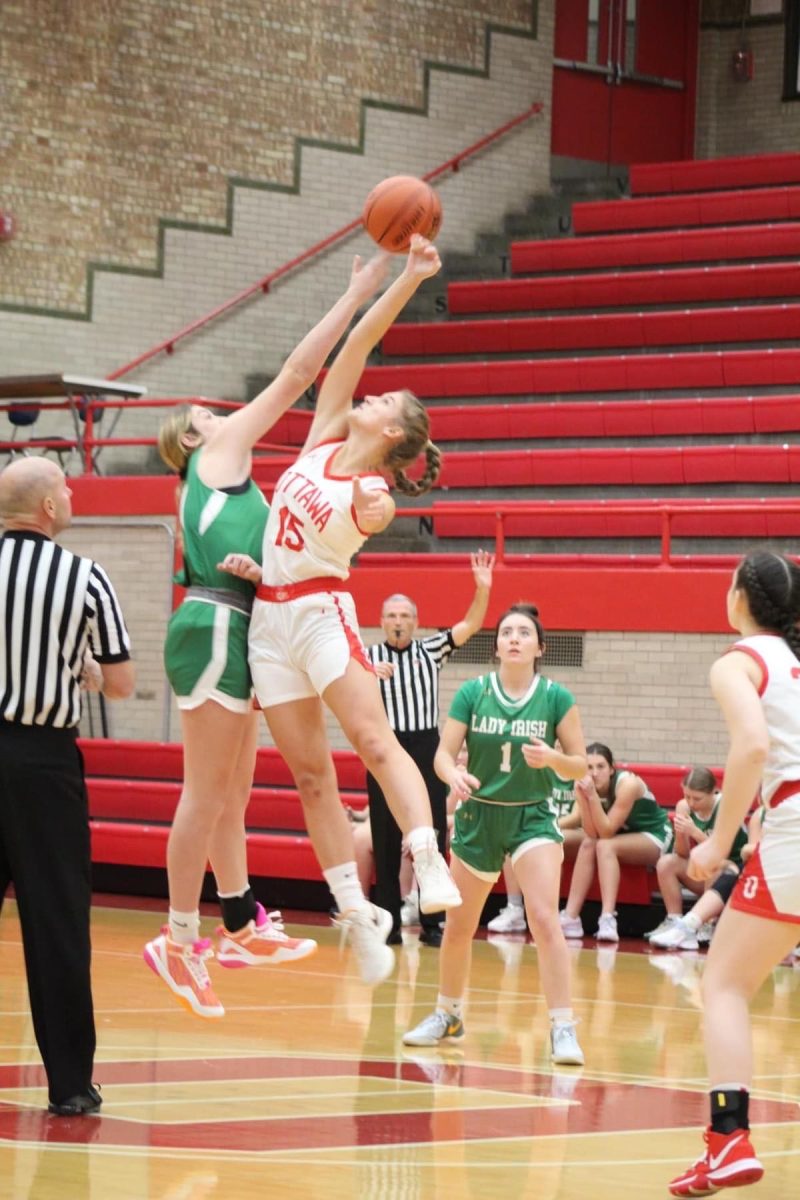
[312, 529]
[780, 700]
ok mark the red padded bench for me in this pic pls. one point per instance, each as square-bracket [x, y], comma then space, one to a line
[164, 761]
[742, 243]
[597, 331]
[670, 212]
[676, 286]
[756, 170]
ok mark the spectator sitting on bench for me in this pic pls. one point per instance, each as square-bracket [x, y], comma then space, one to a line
[693, 820]
[623, 823]
[687, 932]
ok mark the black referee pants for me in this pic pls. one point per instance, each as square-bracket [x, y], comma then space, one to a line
[386, 836]
[45, 853]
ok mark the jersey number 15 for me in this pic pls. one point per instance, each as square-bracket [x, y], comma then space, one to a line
[290, 530]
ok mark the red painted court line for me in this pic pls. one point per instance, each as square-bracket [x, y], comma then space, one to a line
[598, 1107]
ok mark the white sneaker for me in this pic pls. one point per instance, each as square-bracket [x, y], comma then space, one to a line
[571, 927]
[367, 929]
[705, 933]
[564, 1047]
[607, 928]
[437, 892]
[409, 911]
[678, 937]
[667, 923]
[433, 1030]
[510, 919]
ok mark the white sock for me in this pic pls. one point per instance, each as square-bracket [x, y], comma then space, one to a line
[184, 927]
[450, 1005]
[344, 883]
[421, 839]
[561, 1016]
[515, 899]
[692, 922]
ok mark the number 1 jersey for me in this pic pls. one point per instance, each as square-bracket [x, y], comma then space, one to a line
[498, 727]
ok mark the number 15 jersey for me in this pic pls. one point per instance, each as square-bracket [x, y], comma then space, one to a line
[498, 727]
[312, 529]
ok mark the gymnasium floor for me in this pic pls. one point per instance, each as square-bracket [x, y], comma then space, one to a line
[304, 1090]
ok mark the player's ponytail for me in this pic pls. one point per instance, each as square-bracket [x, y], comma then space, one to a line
[415, 441]
[771, 583]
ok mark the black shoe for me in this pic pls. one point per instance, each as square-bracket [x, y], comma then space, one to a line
[395, 938]
[431, 937]
[80, 1105]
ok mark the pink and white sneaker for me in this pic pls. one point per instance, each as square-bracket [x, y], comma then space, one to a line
[263, 941]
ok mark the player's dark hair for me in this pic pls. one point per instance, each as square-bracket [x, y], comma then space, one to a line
[700, 779]
[605, 752]
[771, 583]
[524, 609]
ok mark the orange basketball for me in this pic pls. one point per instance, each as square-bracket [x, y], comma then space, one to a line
[399, 207]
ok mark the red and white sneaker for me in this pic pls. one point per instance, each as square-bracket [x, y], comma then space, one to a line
[262, 941]
[729, 1161]
[183, 969]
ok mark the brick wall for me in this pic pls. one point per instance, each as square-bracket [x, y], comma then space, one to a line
[736, 118]
[117, 124]
[646, 695]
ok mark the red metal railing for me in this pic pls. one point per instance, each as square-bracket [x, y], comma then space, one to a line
[263, 285]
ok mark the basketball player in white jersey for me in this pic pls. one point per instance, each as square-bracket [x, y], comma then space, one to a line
[757, 686]
[304, 638]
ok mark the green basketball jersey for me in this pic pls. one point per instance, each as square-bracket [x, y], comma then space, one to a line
[563, 794]
[497, 728]
[647, 815]
[216, 523]
[707, 825]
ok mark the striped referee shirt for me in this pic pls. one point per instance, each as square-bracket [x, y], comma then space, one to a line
[411, 696]
[55, 605]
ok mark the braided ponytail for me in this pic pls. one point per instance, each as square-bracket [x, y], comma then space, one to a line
[416, 440]
[433, 467]
[771, 583]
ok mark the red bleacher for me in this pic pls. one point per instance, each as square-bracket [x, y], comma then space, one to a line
[758, 170]
[673, 211]
[676, 286]
[741, 243]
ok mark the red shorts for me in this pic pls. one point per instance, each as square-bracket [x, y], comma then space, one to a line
[769, 886]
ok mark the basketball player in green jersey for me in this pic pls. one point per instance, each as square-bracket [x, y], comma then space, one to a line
[694, 818]
[221, 510]
[509, 720]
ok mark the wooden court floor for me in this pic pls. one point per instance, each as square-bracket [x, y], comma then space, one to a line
[304, 1089]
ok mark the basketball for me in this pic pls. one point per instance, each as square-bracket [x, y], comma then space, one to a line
[399, 207]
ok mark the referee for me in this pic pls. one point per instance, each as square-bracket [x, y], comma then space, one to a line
[409, 682]
[62, 628]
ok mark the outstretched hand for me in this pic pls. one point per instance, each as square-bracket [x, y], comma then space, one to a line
[482, 566]
[423, 258]
[366, 278]
[241, 565]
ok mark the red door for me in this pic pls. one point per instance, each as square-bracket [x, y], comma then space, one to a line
[624, 79]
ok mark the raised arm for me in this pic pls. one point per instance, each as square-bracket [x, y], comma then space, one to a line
[227, 458]
[336, 394]
[482, 567]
